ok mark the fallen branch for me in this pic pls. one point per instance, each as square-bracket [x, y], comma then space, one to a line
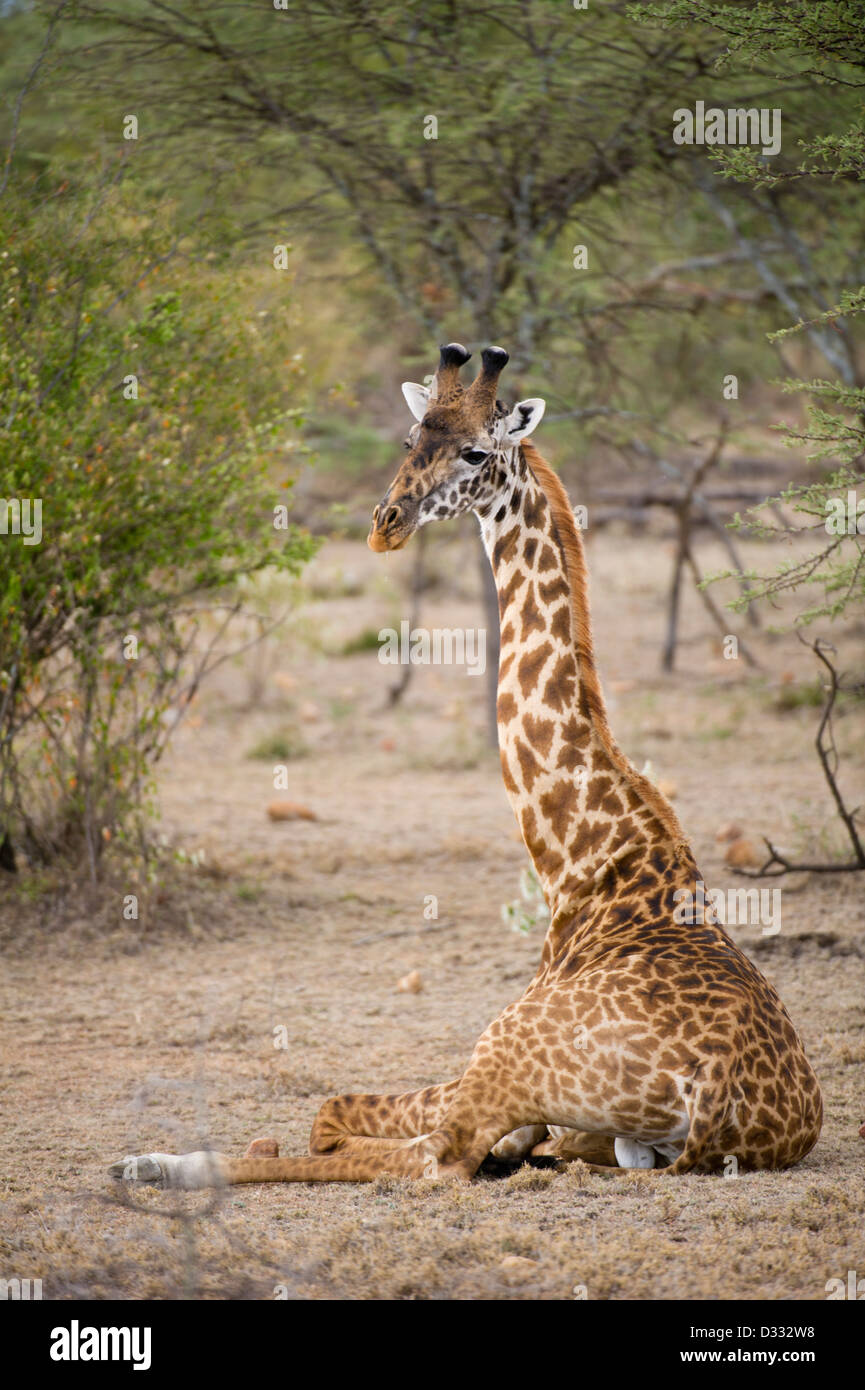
[777, 863]
[786, 866]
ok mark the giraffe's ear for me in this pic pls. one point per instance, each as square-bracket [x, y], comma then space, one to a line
[416, 398]
[523, 420]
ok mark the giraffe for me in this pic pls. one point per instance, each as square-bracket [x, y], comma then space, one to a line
[642, 1040]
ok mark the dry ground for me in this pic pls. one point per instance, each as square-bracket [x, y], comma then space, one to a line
[148, 1037]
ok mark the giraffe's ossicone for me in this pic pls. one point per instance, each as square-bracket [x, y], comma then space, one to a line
[643, 1040]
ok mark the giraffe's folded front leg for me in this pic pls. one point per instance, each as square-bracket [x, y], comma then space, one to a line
[518, 1144]
[342, 1120]
[571, 1144]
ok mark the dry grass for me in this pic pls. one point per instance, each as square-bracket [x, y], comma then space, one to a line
[117, 1040]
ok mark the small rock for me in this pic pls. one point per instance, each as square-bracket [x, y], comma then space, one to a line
[516, 1268]
[262, 1148]
[290, 810]
[729, 831]
[667, 787]
[285, 681]
[742, 854]
[410, 983]
[622, 687]
[309, 712]
[387, 745]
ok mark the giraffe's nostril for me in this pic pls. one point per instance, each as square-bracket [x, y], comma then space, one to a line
[391, 516]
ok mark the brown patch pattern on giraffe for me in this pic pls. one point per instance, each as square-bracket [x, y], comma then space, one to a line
[683, 1043]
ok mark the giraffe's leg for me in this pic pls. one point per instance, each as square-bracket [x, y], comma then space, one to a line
[362, 1160]
[209, 1169]
[357, 1126]
[519, 1144]
[342, 1119]
[472, 1114]
[370, 1124]
[571, 1144]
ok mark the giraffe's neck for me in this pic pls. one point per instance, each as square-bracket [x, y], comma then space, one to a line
[579, 803]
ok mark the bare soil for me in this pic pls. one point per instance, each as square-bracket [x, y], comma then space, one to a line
[261, 978]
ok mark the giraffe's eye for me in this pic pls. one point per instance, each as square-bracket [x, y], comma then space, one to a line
[475, 455]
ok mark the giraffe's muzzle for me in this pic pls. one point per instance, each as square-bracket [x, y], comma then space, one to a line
[392, 527]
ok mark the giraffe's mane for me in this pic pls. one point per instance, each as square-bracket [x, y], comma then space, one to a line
[590, 685]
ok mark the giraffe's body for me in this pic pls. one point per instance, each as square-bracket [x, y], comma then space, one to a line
[640, 1036]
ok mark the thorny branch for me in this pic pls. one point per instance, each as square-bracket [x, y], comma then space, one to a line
[777, 863]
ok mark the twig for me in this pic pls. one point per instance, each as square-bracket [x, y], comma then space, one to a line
[684, 508]
[777, 863]
[715, 612]
[31, 77]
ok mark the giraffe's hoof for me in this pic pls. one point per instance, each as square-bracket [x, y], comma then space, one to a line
[516, 1146]
[201, 1169]
[569, 1145]
[140, 1168]
[630, 1153]
[262, 1148]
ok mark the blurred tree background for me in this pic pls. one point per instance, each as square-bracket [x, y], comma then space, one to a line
[317, 193]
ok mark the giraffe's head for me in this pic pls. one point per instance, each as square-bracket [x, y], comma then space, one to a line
[456, 449]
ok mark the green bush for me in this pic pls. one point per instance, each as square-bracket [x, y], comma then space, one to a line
[147, 408]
